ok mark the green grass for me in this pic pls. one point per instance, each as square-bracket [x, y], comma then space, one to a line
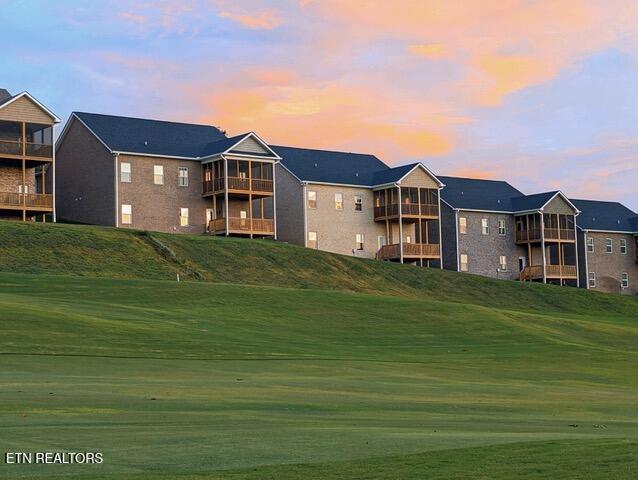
[448, 376]
[231, 381]
[132, 254]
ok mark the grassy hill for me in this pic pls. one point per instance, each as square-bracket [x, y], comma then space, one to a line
[134, 254]
[448, 376]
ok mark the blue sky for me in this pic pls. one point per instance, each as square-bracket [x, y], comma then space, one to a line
[538, 93]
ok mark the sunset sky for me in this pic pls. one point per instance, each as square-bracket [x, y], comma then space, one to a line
[543, 94]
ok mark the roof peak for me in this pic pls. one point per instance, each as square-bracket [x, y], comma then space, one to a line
[146, 119]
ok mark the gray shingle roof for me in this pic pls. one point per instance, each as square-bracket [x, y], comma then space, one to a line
[330, 167]
[4, 96]
[608, 216]
[477, 194]
[152, 137]
[221, 146]
[390, 175]
[532, 202]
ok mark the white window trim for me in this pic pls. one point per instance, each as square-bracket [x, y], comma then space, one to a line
[182, 216]
[339, 203]
[466, 263]
[156, 175]
[122, 172]
[359, 203]
[180, 177]
[609, 245]
[622, 245]
[463, 225]
[130, 214]
[315, 200]
[592, 244]
[485, 226]
[590, 279]
[623, 276]
[361, 237]
[500, 263]
[502, 222]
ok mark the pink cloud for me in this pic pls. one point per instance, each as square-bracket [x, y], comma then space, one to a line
[265, 19]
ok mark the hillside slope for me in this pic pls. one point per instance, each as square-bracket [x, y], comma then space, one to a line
[226, 381]
[133, 254]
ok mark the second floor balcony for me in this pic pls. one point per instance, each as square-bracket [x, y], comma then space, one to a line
[550, 234]
[26, 140]
[406, 210]
[245, 185]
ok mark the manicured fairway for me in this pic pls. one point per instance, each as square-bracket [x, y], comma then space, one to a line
[241, 382]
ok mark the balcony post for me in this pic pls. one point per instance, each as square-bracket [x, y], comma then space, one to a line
[400, 226]
[543, 247]
[226, 192]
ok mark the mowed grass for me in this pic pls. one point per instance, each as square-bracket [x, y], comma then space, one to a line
[132, 254]
[200, 380]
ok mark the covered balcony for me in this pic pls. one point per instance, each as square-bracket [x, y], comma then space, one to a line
[29, 141]
[245, 177]
[26, 201]
[552, 228]
[415, 203]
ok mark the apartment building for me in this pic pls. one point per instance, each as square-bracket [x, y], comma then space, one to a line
[165, 176]
[354, 204]
[492, 229]
[608, 256]
[27, 159]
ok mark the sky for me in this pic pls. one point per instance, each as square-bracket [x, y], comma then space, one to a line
[542, 94]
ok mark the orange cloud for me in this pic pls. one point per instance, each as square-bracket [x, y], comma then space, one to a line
[266, 19]
[434, 51]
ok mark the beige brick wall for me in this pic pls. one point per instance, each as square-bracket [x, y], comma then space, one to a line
[157, 207]
[419, 178]
[337, 229]
[560, 206]
[11, 177]
[609, 266]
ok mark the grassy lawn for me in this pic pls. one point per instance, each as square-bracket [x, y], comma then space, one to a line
[226, 381]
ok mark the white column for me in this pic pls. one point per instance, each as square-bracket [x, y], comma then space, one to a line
[543, 247]
[400, 224]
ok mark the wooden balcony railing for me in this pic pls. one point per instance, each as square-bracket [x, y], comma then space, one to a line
[10, 147]
[559, 234]
[561, 271]
[28, 200]
[407, 209]
[535, 272]
[14, 147]
[243, 225]
[421, 250]
[528, 235]
[260, 185]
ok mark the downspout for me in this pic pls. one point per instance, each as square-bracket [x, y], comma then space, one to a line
[440, 233]
[53, 178]
[226, 192]
[543, 246]
[274, 200]
[576, 251]
[400, 226]
[117, 190]
[305, 215]
[456, 232]
[586, 261]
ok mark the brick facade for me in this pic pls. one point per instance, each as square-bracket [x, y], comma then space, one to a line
[609, 267]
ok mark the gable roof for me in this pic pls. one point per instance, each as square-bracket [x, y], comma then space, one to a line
[537, 201]
[323, 166]
[150, 137]
[392, 175]
[606, 216]
[10, 99]
[478, 194]
[234, 145]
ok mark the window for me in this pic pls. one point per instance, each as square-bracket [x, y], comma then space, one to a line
[592, 279]
[462, 225]
[464, 262]
[485, 227]
[312, 199]
[358, 203]
[183, 217]
[502, 263]
[125, 172]
[380, 241]
[158, 174]
[359, 241]
[501, 227]
[23, 188]
[609, 245]
[590, 244]
[624, 280]
[182, 175]
[127, 215]
[312, 239]
[623, 246]
[338, 201]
